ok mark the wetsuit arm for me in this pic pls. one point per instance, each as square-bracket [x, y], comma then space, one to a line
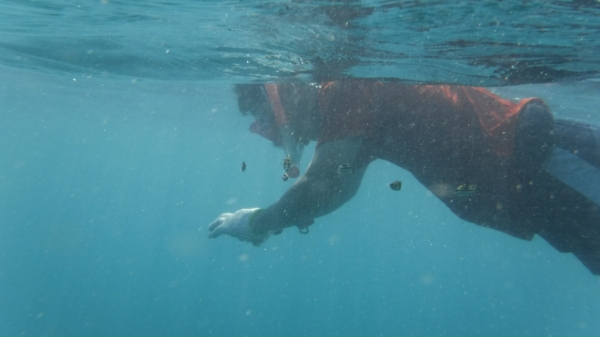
[321, 190]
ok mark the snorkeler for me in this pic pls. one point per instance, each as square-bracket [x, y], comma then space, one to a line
[493, 162]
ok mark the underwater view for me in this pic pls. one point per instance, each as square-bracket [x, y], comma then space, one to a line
[440, 160]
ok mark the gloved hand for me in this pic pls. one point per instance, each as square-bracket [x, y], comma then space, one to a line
[237, 225]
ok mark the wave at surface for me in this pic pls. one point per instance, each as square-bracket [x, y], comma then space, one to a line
[472, 42]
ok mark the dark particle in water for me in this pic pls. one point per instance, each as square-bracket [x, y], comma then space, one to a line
[396, 185]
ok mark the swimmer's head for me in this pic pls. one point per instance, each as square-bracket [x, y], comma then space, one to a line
[286, 114]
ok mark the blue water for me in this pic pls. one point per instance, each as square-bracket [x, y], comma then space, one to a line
[120, 141]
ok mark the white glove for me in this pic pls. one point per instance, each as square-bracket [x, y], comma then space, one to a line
[237, 225]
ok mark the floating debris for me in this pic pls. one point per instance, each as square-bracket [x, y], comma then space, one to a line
[243, 166]
[396, 185]
[285, 177]
[287, 163]
[465, 190]
[345, 168]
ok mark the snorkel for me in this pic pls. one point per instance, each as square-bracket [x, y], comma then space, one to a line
[280, 132]
[292, 148]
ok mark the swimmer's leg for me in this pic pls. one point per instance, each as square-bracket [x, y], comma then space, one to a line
[559, 164]
[575, 158]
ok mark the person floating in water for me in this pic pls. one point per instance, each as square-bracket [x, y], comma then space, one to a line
[495, 163]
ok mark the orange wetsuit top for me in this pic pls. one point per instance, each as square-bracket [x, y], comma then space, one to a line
[446, 136]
